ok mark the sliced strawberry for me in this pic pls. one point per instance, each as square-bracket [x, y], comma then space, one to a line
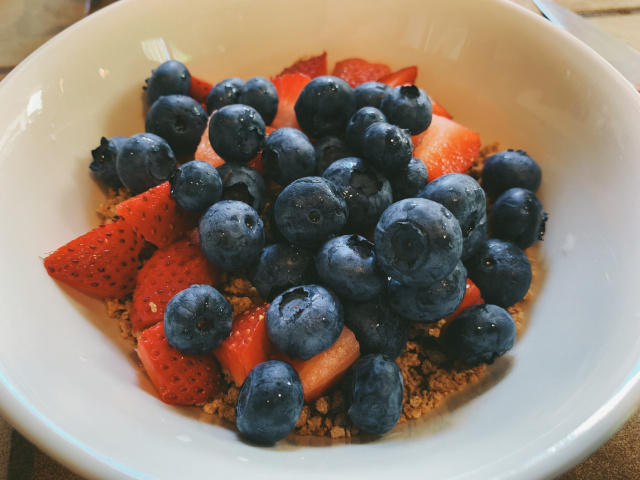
[288, 87]
[199, 89]
[179, 378]
[169, 270]
[472, 296]
[207, 154]
[325, 370]
[103, 262]
[404, 76]
[248, 344]
[446, 147]
[355, 71]
[440, 110]
[156, 217]
[312, 66]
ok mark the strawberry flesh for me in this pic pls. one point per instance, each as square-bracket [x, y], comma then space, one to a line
[288, 87]
[103, 262]
[356, 71]
[199, 89]
[404, 76]
[179, 378]
[312, 66]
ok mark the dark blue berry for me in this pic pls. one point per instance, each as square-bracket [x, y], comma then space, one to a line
[304, 321]
[501, 271]
[170, 78]
[463, 197]
[145, 160]
[366, 191]
[347, 264]
[280, 267]
[432, 303]
[226, 92]
[195, 186]
[375, 394]
[309, 210]
[269, 403]
[377, 327]
[236, 133]
[358, 123]
[418, 242]
[243, 183]
[288, 155]
[480, 334]
[510, 169]
[197, 319]
[180, 120]
[518, 217]
[328, 150]
[407, 181]
[386, 146]
[231, 235]
[324, 106]
[370, 94]
[104, 161]
[261, 94]
[408, 107]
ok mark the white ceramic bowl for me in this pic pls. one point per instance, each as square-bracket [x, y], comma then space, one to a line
[72, 386]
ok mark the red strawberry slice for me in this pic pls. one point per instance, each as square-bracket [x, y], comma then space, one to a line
[356, 71]
[472, 296]
[156, 217]
[248, 344]
[440, 110]
[103, 262]
[288, 87]
[169, 270]
[312, 67]
[179, 378]
[199, 89]
[404, 76]
[446, 147]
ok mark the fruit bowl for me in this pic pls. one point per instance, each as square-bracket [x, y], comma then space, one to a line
[73, 386]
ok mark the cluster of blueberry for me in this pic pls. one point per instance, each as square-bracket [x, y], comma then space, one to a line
[324, 273]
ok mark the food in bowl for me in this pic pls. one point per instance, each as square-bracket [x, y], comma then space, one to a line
[389, 274]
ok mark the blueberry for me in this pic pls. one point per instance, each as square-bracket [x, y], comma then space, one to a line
[180, 120]
[270, 402]
[366, 191]
[328, 150]
[518, 217]
[358, 123]
[226, 92]
[170, 78]
[104, 160]
[370, 94]
[463, 197]
[408, 107]
[347, 264]
[260, 93]
[243, 183]
[280, 267]
[324, 106]
[432, 303]
[386, 146]
[480, 334]
[501, 271]
[309, 210]
[377, 328]
[509, 169]
[288, 155]
[418, 242]
[197, 319]
[231, 235]
[145, 160]
[236, 133]
[407, 181]
[195, 186]
[375, 393]
[304, 321]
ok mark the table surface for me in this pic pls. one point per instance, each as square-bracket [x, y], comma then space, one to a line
[26, 24]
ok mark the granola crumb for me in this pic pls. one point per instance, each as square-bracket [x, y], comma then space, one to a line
[107, 210]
